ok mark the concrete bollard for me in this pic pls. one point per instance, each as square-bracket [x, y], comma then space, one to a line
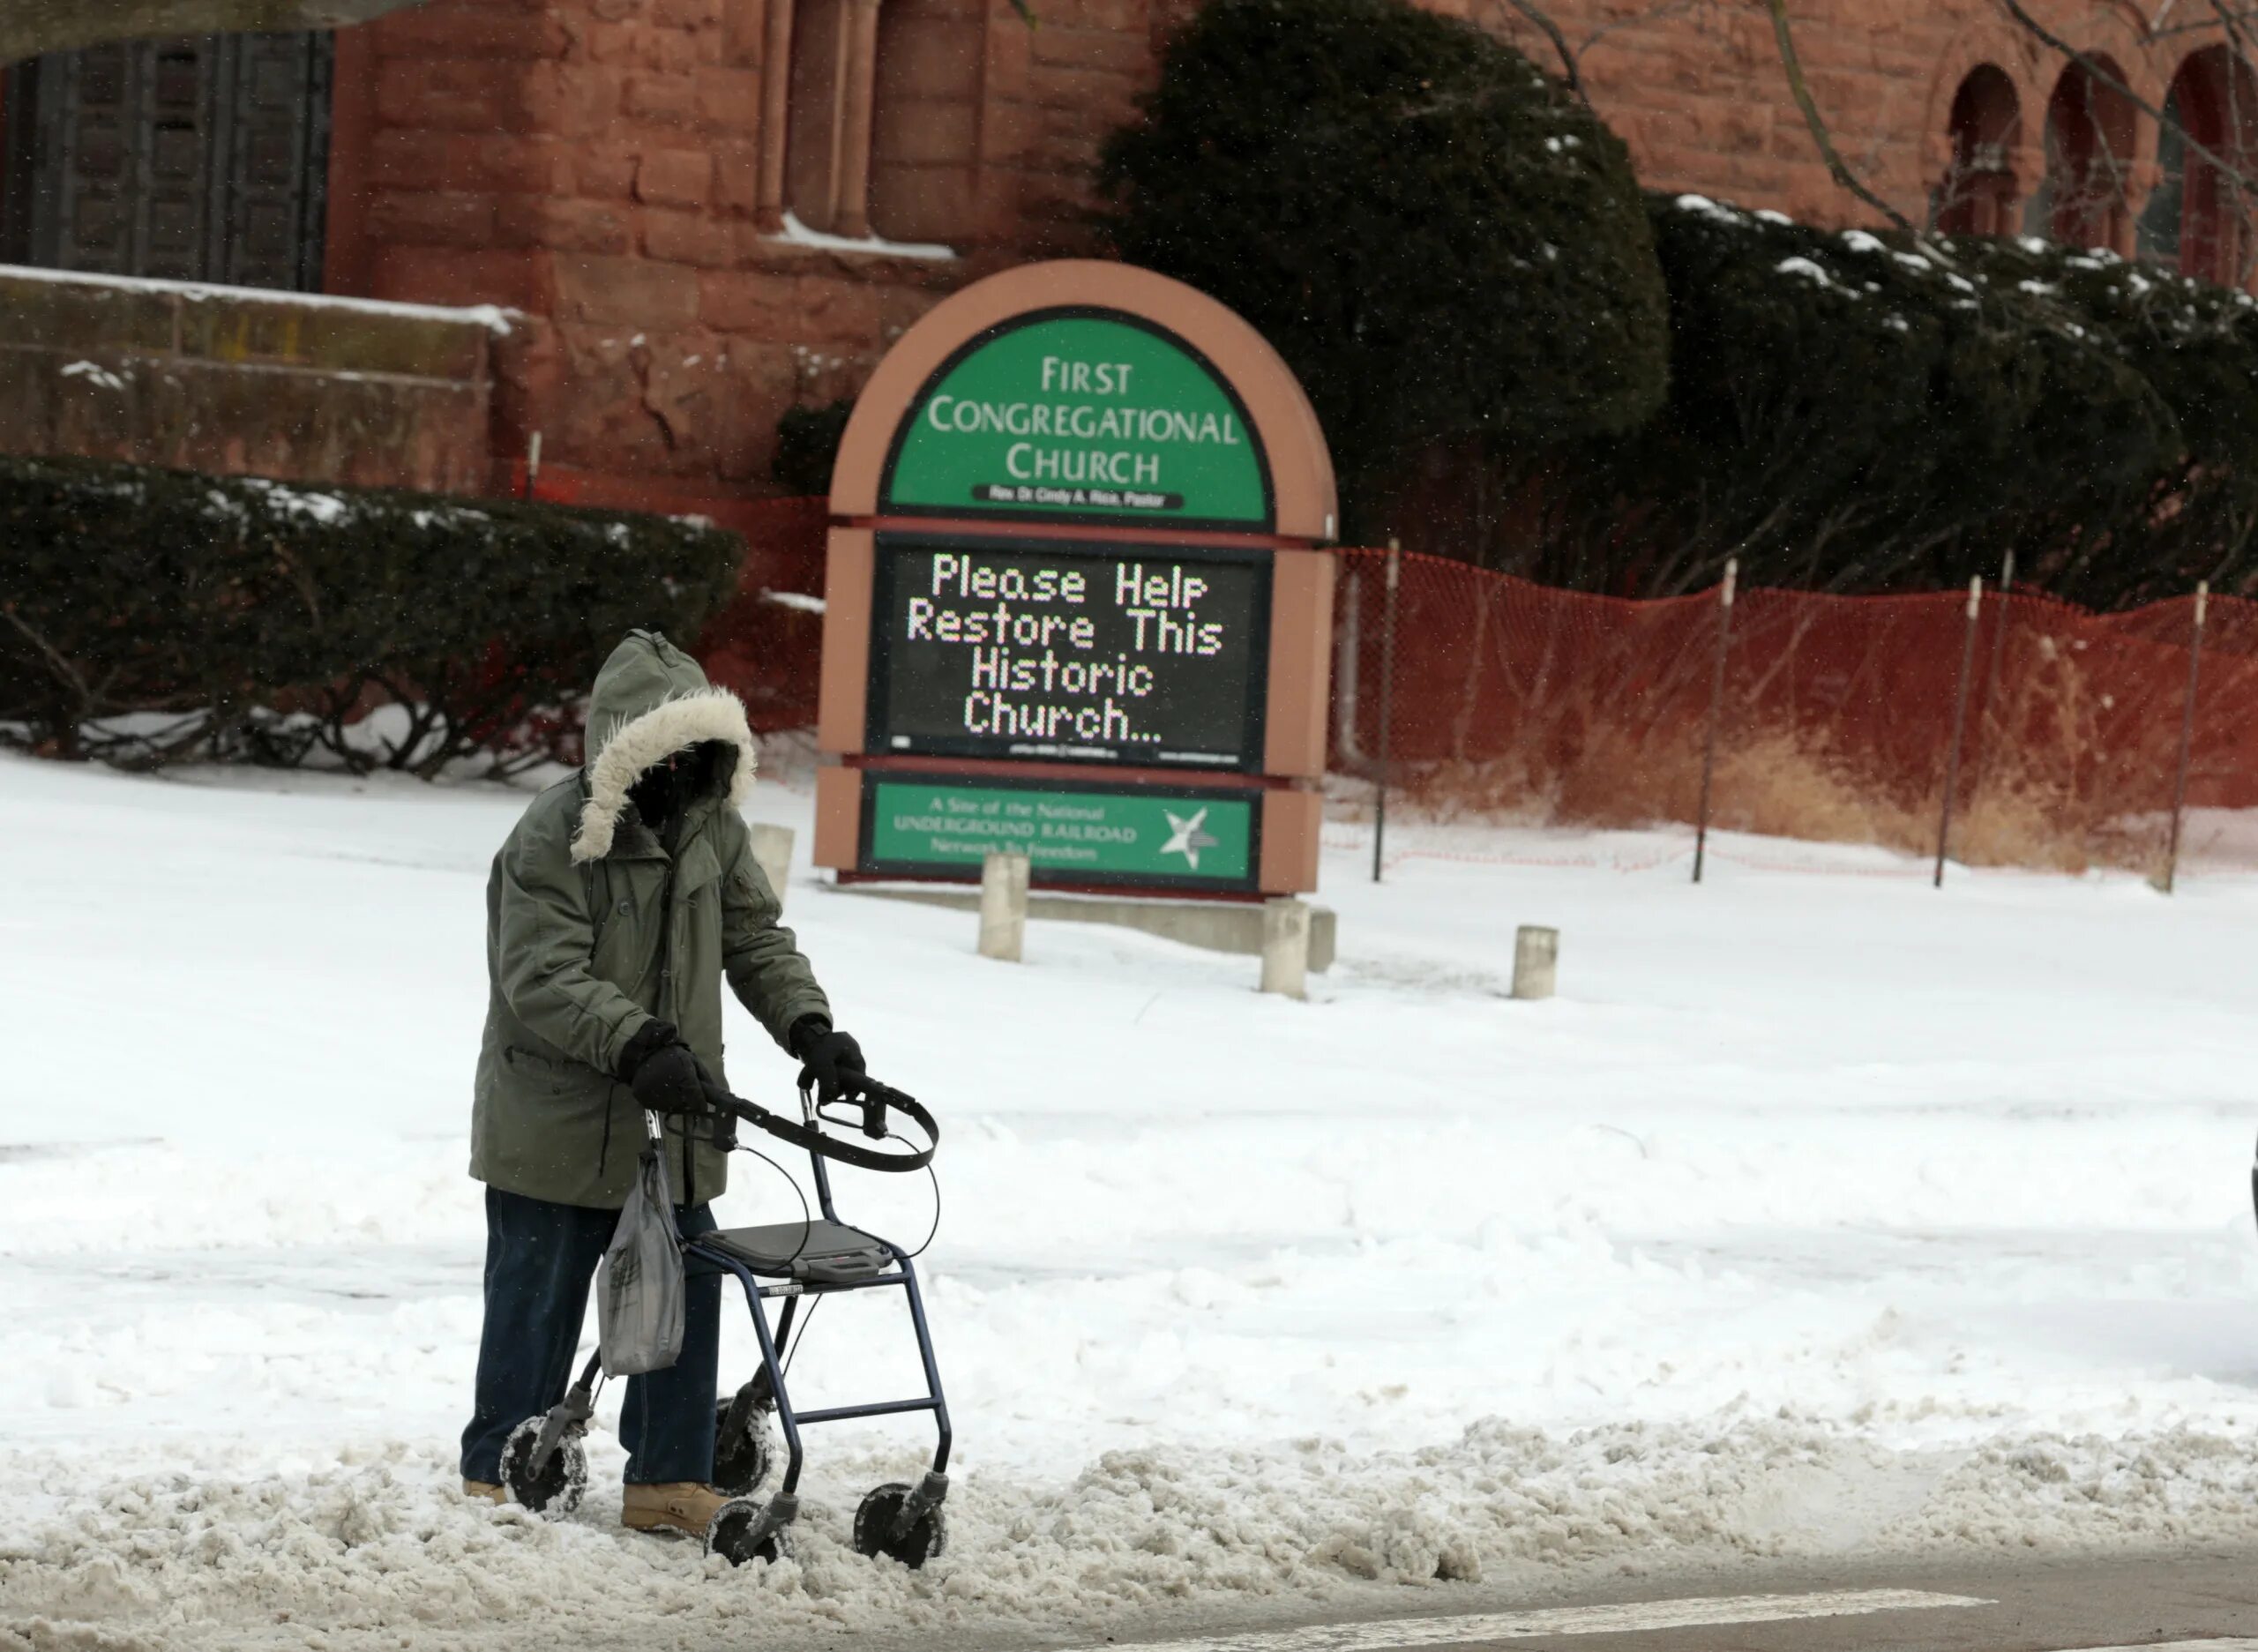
[1003, 907]
[1285, 947]
[1536, 953]
[772, 851]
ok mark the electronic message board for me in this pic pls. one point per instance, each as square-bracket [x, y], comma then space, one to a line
[1141, 655]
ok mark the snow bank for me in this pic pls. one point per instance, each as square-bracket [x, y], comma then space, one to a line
[372, 1546]
[1820, 1211]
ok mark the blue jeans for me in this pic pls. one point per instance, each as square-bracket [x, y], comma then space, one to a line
[540, 1260]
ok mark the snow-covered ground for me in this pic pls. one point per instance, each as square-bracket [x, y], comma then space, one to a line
[1820, 1211]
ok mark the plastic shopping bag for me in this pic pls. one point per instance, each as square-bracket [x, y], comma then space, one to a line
[639, 1291]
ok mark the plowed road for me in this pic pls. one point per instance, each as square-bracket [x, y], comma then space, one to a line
[2197, 1602]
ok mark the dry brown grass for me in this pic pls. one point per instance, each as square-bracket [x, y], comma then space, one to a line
[2067, 763]
[1776, 784]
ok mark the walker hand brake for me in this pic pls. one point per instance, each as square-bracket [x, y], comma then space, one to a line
[872, 1096]
[876, 1098]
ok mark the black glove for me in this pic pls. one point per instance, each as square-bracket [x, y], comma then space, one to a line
[830, 1060]
[659, 1068]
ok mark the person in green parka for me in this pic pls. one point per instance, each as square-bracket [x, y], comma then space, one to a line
[621, 901]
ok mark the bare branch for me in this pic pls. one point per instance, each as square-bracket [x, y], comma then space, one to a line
[2237, 45]
[1551, 30]
[2235, 24]
[1812, 118]
[2199, 25]
[2093, 67]
[57, 661]
[1572, 57]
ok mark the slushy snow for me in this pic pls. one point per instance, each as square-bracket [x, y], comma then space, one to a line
[1821, 1212]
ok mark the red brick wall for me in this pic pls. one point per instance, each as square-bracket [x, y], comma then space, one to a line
[595, 163]
[1698, 92]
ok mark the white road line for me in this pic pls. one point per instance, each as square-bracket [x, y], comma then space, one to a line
[2240, 1644]
[1630, 1618]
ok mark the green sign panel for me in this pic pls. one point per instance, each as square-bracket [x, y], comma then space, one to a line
[1081, 415]
[1108, 835]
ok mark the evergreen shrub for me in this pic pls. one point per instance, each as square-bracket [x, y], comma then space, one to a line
[149, 616]
[2120, 540]
[1442, 241]
[1848, 411]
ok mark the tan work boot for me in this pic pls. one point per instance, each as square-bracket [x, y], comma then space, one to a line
[684, 1506]
[479, 1488]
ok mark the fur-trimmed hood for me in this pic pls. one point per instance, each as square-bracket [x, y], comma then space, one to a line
[651, 700]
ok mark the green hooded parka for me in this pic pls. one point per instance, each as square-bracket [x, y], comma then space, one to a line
[581, 949]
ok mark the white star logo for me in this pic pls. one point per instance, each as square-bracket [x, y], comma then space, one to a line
[1189, 839]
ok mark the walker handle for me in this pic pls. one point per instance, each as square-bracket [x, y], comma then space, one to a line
[876, 1099]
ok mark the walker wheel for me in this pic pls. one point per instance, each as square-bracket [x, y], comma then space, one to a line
[742, 1531]
[742, 1456]
[557, 1490]
[874, 1527]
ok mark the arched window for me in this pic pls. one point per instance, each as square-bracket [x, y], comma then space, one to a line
[827, 118]
[1978, 194]
[2159, 227]
[870, 114]
[2195, 219]
[925, 121]
[2081, 201]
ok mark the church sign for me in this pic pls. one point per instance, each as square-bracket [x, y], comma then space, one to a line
[1087, 417]
[1078, 605]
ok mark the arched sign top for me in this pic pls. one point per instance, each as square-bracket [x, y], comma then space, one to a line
[1090, 393]
[1083, 414]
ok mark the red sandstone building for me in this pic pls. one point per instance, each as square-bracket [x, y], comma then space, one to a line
[709, 211]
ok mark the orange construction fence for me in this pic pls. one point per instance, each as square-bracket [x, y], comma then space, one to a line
[1835, 720]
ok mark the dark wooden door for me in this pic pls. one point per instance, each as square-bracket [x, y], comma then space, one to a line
[195, 159]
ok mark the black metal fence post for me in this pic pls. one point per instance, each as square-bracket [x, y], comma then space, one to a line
[1979, 755]
[1716, 708]
[1386, 706]
[2186, 735]
[1959, 722]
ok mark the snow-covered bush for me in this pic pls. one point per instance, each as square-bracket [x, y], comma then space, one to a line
[149, 616]
[2194, 515]
[1443, 242]
[1850, 411]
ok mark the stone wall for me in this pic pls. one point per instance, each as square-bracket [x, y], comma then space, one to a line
[1698, 92]
[596, 163]
[234, 381]
[605, 166]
